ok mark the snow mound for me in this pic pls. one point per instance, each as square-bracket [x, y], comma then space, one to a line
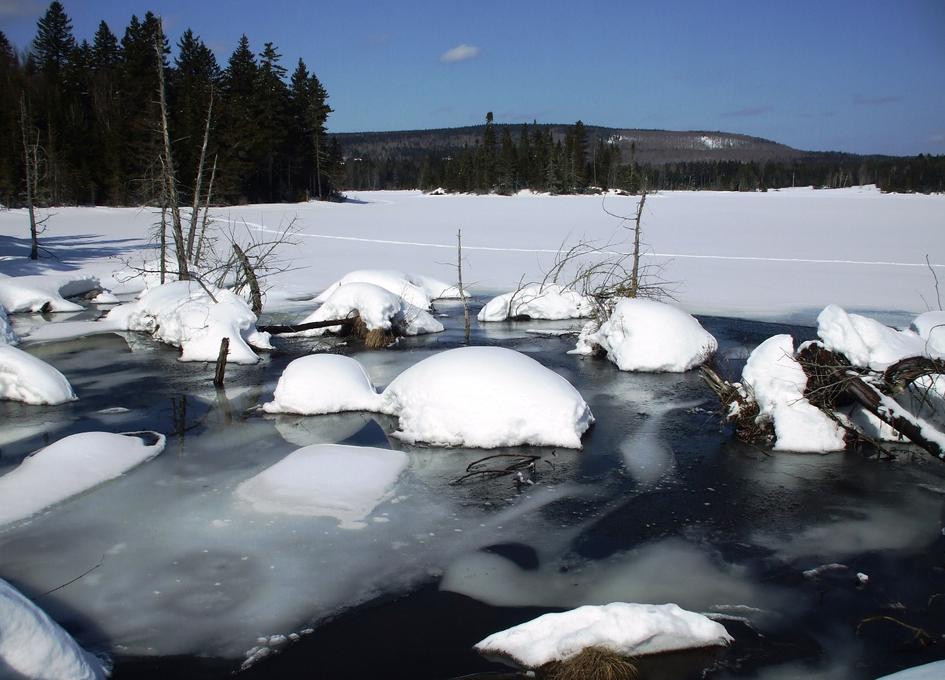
[644, 335]
[7, 336]
[71, 466]
[929, 671]
[323, 383]
[49, 291]
[535, 301]
[486, 397]
[25, 378]
[379, 309]
[326, 480]
[777, 382]
[869, 344]
[34, 646]
[416, 289]
[931, 328]
[182, 314]
[626, 629]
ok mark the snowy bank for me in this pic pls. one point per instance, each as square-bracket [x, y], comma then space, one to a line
[326, 480]
[929, 671]
[25, 378]
[378, 308]
[626, 629]
[644, 335]
[47, 292]
[69, 467]
[182, 314]
[32, 645]
[486, 397]
[418, 290]
[777, 382]
[535, 301]
[323, 383]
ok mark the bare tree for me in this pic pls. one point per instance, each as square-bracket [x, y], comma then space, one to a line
[31, 164]
[459, 273]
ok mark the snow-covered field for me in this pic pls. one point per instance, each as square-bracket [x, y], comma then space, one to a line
[777, 255]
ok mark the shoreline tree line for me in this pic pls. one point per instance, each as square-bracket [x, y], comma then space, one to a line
[86, 114]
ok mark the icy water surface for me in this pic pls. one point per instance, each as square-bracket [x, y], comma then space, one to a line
[661, 506]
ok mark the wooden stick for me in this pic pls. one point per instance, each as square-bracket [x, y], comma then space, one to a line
[221, 362]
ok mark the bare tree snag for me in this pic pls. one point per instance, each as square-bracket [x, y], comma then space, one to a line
[255, 294]
[298, 328]
[29, 161]
[459, 273]
[635, 270]
[220, 372]
[192, 231]
[206, 213]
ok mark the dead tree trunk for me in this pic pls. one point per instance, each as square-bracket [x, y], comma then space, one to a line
[635, 271]
[220, 372]
[192, 231]
[298, 328]
[459, 273]
[29, 162]
[206, 213]
[254, 292]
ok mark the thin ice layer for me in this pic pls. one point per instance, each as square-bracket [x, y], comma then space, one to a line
[627, 629]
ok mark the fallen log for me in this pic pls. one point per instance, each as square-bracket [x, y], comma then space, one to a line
[298, 328]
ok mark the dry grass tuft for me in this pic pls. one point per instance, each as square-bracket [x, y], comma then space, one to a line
[593, 663]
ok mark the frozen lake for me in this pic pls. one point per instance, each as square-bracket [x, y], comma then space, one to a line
[660, 506]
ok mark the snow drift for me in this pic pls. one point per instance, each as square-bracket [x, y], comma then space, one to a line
[323, 383]
[416, 289]
[869, 344]
[626, 629]
[378, 308]
[486, 397]
[69, 467]
[49, 291]
[326, 480]
[649, 336]
[25, 378]
[777, 382]
[182, 314]
[535, 301]
[34, 646]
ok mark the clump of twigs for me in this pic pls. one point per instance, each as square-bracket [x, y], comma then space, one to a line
[738, 407]
[592, 663]
[524, 467]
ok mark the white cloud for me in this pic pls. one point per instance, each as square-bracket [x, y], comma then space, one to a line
[459, 53]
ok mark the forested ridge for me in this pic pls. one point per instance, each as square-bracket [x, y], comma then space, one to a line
[87, 109]
[83, 113]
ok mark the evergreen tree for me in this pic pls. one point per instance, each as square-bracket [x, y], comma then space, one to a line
[489, 156]
[54, 42]
[272, 121]
[238, 123]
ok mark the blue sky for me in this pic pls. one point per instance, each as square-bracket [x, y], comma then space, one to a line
[866, 77]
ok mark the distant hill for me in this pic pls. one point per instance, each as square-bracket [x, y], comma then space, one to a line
[645, 146]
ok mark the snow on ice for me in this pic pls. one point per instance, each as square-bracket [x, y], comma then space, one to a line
[49, 291]
[69, 467]
[326, 480]
[182, 314]
[25, 378]
[929, 671]
[627, 629]
[777, 382]
[323, 383]
[379, 308]
[649, 336]
[7, 336]
[486, 397]
[35, 646]
[416, 289]
[536, 301]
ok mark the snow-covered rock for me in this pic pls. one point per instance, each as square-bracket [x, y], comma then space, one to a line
[416, 289]
[326, 480]
[649, 336]
[182, 314]
[869, 344]
[379, 309]
[626, 629]
[33, 293]
[777, 382]
[929, 671]
[930, 327]
[486, 397]
[71, 466]
[323, 383]
[7, 336]
[32, 645]
[535, 301]
[26, 378]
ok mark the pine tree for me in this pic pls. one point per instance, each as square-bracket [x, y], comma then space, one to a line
[272, 121]
[54, 42]
[489, 156]
[238, 122]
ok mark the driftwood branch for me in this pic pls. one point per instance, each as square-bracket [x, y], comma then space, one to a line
[298, 328]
